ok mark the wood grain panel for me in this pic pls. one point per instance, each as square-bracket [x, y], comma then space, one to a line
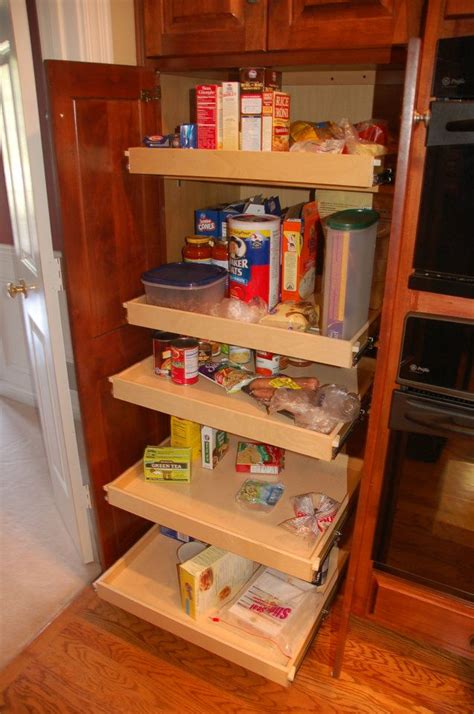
[111, 230]
[145, 666]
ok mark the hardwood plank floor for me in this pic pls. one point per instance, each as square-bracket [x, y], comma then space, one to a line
[95, 658]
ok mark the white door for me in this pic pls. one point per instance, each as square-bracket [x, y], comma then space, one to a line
[37, 283]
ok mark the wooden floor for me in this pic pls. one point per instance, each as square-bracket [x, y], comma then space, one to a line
[96, 658]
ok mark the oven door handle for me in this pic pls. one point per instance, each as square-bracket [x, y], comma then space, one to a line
[440, 425]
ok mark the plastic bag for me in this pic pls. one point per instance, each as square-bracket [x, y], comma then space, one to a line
[314, 512]
[274, 606]
[319, 410]
[225, 375]
[252, 311]
[328, 146]
[259, 495]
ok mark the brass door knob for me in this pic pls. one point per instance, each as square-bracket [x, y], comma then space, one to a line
[20, 287]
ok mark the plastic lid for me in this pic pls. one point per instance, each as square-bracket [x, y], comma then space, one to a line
[352, 219]
[184, 275]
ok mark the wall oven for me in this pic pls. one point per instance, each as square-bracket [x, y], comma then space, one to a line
[444, 249]
[425, 530]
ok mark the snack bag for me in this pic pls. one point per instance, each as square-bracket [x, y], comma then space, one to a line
[259, 495]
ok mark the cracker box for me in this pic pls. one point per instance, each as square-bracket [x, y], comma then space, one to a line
[209, 116]
[230, 115]
[301, 226]
[165, 463]
[211, 578]
[214, 446]
[186, 433]
[255, 458]
[275, 120]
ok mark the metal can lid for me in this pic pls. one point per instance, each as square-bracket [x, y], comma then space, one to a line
[185, 343]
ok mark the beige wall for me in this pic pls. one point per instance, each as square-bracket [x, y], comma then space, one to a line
[123, 31]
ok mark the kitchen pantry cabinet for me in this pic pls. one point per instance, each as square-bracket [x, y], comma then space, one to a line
[112, 216]
[176, 28]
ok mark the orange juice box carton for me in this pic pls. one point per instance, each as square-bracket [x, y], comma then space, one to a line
[209, 116]
[230, 115]
[212, 578]
[300, 229]
[275, 120]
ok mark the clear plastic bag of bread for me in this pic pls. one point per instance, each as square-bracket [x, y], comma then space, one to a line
[251, 311]
[320, 410]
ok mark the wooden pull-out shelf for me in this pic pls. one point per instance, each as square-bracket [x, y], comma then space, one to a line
[302, 169]
[316, 348]
[209, 404]
[144, 582]
[206, 508]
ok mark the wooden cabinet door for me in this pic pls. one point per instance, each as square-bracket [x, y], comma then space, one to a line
[181, 27]
[109, 223]
[343, 24]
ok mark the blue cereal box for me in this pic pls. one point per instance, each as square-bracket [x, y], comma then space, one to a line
[212, 221]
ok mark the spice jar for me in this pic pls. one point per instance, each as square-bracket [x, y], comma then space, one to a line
[197, 250]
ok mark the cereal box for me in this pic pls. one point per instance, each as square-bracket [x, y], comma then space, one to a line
[255, 458]
[209, 116]
[299, 240]
[275, 121]
[214, 446]
[165, 463]
[211, 578]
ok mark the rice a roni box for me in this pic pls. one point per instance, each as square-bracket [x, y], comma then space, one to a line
[275, 121]
[209, 116]
[255, 458]
[211, 578]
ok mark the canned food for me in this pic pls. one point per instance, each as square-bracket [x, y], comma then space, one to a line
[204, 351]
[184, 360]
[239, 355]
[299, 362]
[266, 363]
[162, 352]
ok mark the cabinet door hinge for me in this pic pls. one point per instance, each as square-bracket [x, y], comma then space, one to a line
[150, 95]
[87, 496]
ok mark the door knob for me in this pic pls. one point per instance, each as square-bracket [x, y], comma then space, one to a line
[20, 287]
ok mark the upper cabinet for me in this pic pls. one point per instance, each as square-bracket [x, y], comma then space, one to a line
[175, 28]
[347, 24]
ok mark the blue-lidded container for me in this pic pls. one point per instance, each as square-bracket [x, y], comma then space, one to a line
[194, 287]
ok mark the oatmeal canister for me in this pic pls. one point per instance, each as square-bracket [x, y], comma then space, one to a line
[162, 352]
[184, 360]
[254, 258]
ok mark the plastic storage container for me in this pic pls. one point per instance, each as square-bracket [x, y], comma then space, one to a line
[185, 286]
[349, 260]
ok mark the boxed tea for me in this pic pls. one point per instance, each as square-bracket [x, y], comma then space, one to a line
[211, 578]
[166, 463]
[214, 445]
[186, 433]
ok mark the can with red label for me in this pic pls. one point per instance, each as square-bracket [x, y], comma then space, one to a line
[184, 360]
[162, 352]
[266, 363]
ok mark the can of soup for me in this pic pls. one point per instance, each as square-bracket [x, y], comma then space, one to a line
[266, 363]
[184, 360]
[162, 352]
